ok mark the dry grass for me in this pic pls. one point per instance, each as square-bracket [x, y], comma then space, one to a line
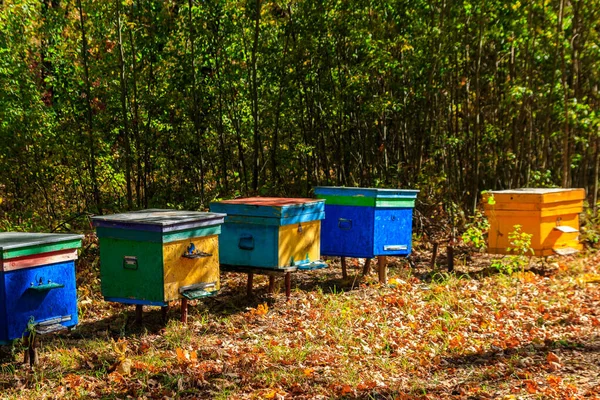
[472, 334]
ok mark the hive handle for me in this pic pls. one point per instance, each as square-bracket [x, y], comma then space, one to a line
[246, 242]
[345, 224]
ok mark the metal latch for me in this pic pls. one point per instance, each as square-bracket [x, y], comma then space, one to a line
[130, 262]
[51, 325]
[192, 252]
[395, 247]
[41, 286]
[198, 290]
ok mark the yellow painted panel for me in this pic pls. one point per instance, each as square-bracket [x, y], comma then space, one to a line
[542, 209]
[181, 271]
[297, 243]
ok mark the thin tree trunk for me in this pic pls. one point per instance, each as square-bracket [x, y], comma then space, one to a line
[255, 116]
[88, 106]
[123, 83]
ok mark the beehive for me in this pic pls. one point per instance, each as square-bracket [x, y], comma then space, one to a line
[550, 215]
[270, 232]
[366, 222]
[151, 257]
[38, 283]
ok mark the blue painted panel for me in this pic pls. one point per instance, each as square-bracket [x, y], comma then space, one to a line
[249, 245]
[347, 231]
[22, 303]
[393, 232]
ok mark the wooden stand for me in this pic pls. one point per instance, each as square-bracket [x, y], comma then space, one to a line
[344, 270]
[271, 272]
[31, 355]
[184, 310]
[139, 311]
[382, 264]
[163, 313]
[382, 268]
[449, 253]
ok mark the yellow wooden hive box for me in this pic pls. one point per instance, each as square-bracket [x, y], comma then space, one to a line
[550, 215]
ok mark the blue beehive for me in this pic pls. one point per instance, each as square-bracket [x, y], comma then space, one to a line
[366, 222]
[37, 283]
[272, 233]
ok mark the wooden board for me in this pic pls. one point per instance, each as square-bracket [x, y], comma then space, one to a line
[158, 220]
[35, 260]
[19, 244]
[180, 271]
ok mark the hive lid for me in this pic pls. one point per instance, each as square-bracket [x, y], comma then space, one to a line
[534, 195]
[271, 207]
[157, 220]
[17, 244]
[374, 197]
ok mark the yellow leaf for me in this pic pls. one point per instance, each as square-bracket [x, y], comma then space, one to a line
[308, 371]
[262, 309]
[124, 367]
[182, 355]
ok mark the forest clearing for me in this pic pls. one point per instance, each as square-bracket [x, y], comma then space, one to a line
[428, 334]
[114, 108]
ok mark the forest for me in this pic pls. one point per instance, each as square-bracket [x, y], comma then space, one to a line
[109, 106]
[117, 105]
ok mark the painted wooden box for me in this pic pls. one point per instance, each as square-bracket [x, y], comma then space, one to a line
[151, 257]
[270, 232]
[38, 282]
[366, 222]
[550, 215]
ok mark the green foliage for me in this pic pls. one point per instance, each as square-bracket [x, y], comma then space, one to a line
[106, 106]
[520, 250]
[476, 230]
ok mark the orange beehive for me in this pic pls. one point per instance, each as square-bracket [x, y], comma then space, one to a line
[550, 215]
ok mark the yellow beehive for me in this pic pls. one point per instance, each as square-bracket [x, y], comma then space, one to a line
[550, 215]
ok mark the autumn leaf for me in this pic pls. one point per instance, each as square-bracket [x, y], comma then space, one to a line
[551, 357]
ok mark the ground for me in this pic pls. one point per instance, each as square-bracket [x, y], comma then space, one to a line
[472, 334]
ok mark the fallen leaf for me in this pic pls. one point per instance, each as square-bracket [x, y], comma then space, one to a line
[551, 357]
[124, 367]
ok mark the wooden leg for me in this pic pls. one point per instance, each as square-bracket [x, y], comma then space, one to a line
[139, 310]
[249, 284]
[367, 267]
[271, 283]
[184, 310]
[26, 346]
[344, 270]
[163, 313]
[436, 246]
[288, 285]
[450, 251]
[382, 261]
[32, 349]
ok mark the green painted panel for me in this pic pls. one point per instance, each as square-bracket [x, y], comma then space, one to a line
[395, 203]
[367, 201]
[348, 200]
[44, 248]
[156, 237]
[141, 277]
[192, 233]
